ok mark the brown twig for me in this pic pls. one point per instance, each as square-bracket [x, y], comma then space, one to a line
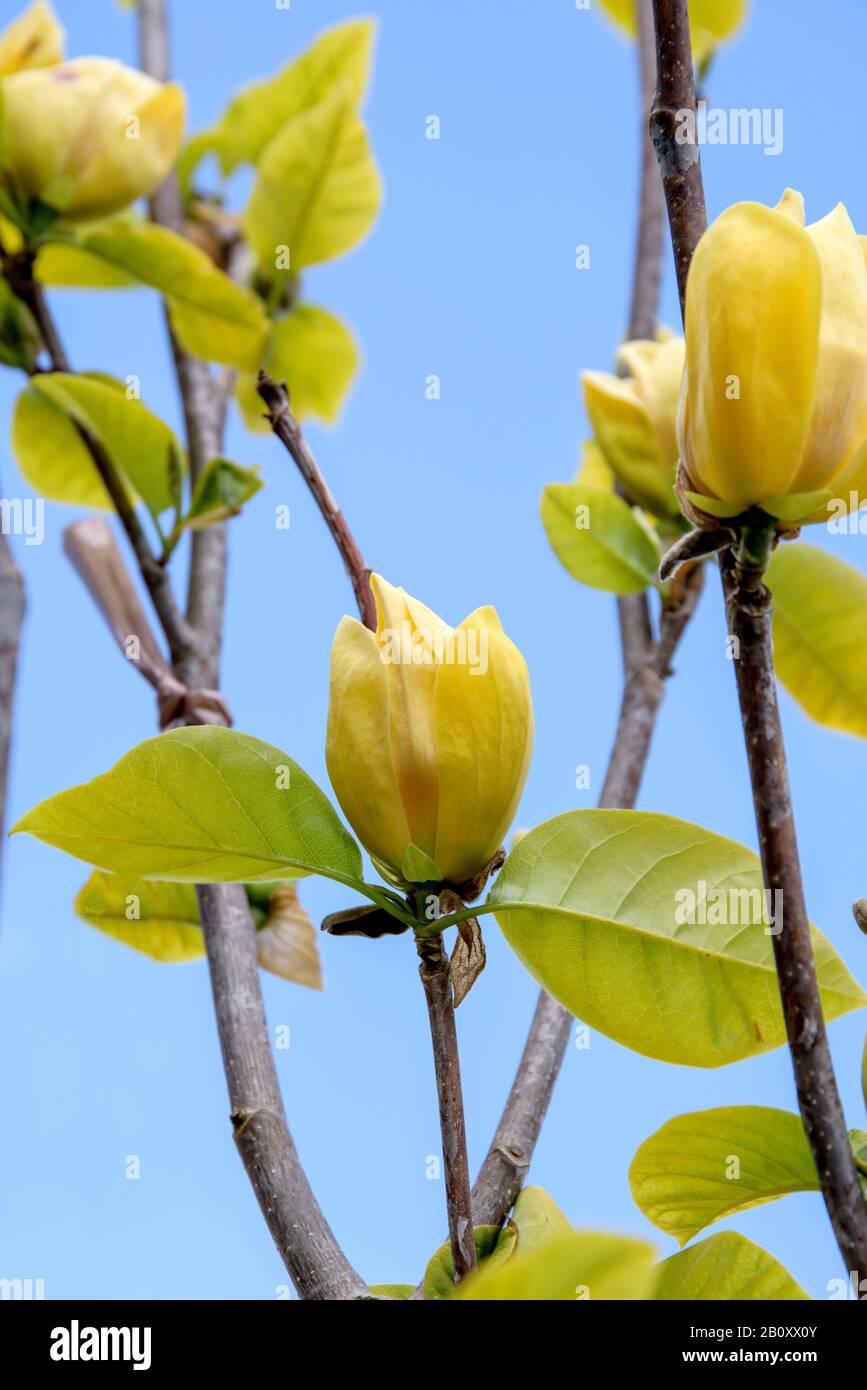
[437, 982]
[645, 666]
[679, 161]
[749, 611]
[288, 431]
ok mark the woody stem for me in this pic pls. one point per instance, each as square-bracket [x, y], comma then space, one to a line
[436, 980]
[749, 612]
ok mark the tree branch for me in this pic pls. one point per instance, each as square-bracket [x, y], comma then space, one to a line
[288, 431]
[645, 667]
[11, 618]
[305, 1241]
[318, 1267]
[436, 979]
[204, 400]
[749, 611]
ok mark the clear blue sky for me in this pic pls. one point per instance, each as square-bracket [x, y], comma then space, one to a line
[469, 274]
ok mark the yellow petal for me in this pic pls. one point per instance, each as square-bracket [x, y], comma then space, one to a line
[136, 149]
[484, 741]
[33, 40]
[409, 637]
[358, 748]
[594, 470]
[657, 370]
[90, 136]
[840, 416]
[753, 306]
[625, 434]
[792, 204]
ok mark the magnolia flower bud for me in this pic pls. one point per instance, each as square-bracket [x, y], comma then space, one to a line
[33, 40]
[90, 136]
[430, 731]
[634, 420]
[774, 408]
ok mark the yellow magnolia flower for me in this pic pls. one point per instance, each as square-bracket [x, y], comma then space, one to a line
[634, 420]
[33, 40]
[430, 731]
[90, 136]
[774, 409]
[711, 22]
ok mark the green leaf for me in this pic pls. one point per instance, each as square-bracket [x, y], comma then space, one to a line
[252, 119]
[597, 905]
[599, 538]
[318, 190]
[493, 1247]
[55, 461]
[820, 613]
[701, 1167]
[201, 805]
[162, 921]
[401, 1291]
[213, 317]
[159, 919]
[537, 1218]
[725, 1268]
[579, 1265]
[316, 355]
[594, 470]
[220, 492]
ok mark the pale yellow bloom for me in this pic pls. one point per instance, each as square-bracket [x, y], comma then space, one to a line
[634, 420]
[33, 40]
[430, 732]
[774, 409]
[711, 22]
[90, 136]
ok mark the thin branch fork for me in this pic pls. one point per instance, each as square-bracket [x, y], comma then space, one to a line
[749, 611]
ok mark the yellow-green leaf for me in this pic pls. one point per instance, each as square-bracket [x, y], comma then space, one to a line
[221, 491]
[599, 538]
[654, 931]
[159, 919]
[722, 1269]
[701, 1167]
[579, 1265]
[214, 318]
[537, 1218]
[253, 117]
[162, 920]
[201, 805]
[403, 1292]
[316, 355]
[820, 618]
[594, 470]
[493, 1247]
[318, 189]
[57, 464]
